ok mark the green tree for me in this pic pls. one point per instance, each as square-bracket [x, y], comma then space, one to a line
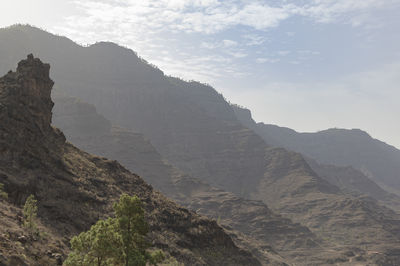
[3, 194]
[30, 213]
[116, 241]
[133, 228]
[101, 245]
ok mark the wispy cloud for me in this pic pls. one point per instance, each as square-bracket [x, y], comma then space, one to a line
[261, 60]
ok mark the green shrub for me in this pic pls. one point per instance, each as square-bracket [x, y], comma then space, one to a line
[3, 194]
[30, 214]
[98, 246]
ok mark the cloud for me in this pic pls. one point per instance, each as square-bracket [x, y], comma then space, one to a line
[354, 12]
[238, 54]
[284, 53]
[138, 22]
[253, 39]
[229, 43]
[262, 60]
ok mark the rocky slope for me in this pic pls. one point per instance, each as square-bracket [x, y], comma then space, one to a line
[74, 189]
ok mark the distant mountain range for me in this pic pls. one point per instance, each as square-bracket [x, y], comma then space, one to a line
[189, 142]
[375, 159]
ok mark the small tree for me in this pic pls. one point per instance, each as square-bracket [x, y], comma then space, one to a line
[133, 229]
[30, 213]
[116, 241]
[3, 194]
[101, 245]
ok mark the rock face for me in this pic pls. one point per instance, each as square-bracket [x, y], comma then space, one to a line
[74, 189]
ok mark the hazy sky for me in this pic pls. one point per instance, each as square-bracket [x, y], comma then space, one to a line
[305, 64]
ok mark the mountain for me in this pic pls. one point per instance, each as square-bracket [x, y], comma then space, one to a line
[196, 129]
[341, 147]
[181, 119]
[74, 189]
[353, 181]
[346, 177]
[266, 231]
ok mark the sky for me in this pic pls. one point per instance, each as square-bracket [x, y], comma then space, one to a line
[305, 64]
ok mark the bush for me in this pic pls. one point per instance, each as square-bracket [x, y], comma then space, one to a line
[3, 194]
[30, 214]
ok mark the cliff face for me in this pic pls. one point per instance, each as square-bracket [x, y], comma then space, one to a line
[74, 189]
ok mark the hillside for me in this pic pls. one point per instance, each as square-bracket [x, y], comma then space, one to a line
[74, 189]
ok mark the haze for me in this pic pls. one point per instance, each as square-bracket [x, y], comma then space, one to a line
[307, 65]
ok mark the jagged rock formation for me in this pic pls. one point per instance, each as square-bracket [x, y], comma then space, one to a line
[75, 189]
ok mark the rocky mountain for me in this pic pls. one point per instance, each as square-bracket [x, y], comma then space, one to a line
[354, 182]
[262, 229]
[196, 130]
[348, 178]
[74, 189]
[341, 147]
[133, 94]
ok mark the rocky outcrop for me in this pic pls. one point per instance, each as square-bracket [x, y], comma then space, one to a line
[74, 189]
[27, 136]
